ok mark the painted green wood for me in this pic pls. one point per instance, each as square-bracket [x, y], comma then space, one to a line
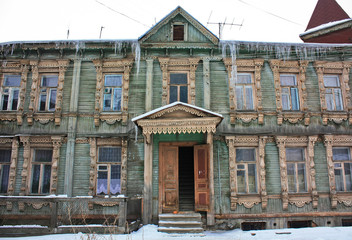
[135, 169]
[199, 85]
[268, 88]
[322, 178]
[157, 85]
[219, 85]
[313, 98]
[81, 170]
[19, 169]
[137, 90]
[61, 170]
[86, 101]
[272, 168]
[66, 94]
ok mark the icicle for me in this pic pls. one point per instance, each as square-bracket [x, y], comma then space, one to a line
[233, 52]
[12, 48]
[137, 51]
[136, 133]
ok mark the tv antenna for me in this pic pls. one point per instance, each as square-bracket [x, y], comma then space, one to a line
[222, 24]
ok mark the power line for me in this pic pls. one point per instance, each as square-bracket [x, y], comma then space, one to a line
[122, 14]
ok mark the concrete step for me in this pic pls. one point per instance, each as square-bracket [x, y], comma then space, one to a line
[180, 224]
[183, 222]
[179, 230]
[180, 217]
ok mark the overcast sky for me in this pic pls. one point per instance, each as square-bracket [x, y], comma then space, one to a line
[262, 20]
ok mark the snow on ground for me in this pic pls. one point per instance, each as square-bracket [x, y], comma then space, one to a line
[150, 232]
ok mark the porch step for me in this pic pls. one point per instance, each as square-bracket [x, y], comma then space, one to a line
[180, 223]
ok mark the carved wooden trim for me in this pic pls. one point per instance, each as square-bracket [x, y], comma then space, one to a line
[297, 68]
[94, 144]
[57, 142]
[342, 69]
[46, 66]
[19, 67]
[246, 66]
[112, 66]
[26, 164]
[247, 200]
[188, 65]
[102, 203]
[311, 171]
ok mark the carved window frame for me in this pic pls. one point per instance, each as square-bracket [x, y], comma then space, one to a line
[30, 143]
[40, 68]
[342, 69]
[95, 143]
[185, 65]
[298, 199]
[15, 67]
[330, 142]
[13, 145]
[254, 67]
[169, 85]
[247, 200]
[106, 67]
[298, 68]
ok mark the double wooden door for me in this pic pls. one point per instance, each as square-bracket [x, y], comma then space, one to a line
[169, 177]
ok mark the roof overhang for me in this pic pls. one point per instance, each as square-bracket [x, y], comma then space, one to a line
[178, 117]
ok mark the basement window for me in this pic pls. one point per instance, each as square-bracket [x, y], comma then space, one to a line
[347, 222]
[178, 32]
[248, 226]
[299, 224]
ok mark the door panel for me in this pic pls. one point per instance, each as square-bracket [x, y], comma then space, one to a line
[169, 178]
[201, 178]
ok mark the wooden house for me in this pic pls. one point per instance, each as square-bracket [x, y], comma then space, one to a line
[235, 134]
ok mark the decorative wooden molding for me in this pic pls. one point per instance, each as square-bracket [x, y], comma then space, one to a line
[341, 69]
[247, 200]
[57, 142]
[82, 140]
[297, 68]
[311, 171]
[247, 66]
[46, 66]
[19, 67]
[179, 64]
[112, 66]
[37, 205]
[102, 203]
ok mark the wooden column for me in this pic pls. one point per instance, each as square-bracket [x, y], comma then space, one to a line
[149, 88]
[210, 214]
[206, 83]
[148, 176]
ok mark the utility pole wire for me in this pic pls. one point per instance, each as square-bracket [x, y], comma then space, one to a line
[121, 13]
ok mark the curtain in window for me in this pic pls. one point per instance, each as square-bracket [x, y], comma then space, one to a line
[5, 171]
[102, 182]
[35, 178]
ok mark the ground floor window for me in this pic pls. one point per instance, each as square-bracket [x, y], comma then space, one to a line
[248, 226]
[5, 161]
[41, 171]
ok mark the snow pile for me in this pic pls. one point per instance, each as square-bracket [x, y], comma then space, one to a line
[324, 26]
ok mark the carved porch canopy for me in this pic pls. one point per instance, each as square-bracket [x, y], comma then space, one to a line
[178, 117]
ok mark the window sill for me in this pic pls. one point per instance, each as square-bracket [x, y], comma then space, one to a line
[292, 117]
[110, 117]
[247, 200]
[246, 116]
[337, 117]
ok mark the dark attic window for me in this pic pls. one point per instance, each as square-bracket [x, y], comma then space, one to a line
[179, 32]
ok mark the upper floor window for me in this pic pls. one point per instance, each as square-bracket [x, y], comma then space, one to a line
[5, 161]
[178, 32]
[296, 170]
[244, 91]
[246, 170]
[342, 168]
[41, 171]
[333, 94]
[109, 170]
[10, 92]
[289, 92]
[48, 92]
[112, 92]
[178, 87]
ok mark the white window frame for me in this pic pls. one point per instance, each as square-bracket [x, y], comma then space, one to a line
[244, 87]
[332, 90]
[246, 163]
[2, 164]
[290, 96]
[47, 90]
[178, 87]
[9, 91]
[296, 179]
[342, 168]
[41, 174]
[112, 89]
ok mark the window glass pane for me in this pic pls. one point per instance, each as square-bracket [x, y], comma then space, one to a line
[52, 101]
[35, 178]
[329, 99]
[249, 98]
[178, 78]
[46, 179]
[241, 181]
[43, 155]
[341, 154]
[338, 99]
[301, 170]
[49, 81]
[109, 154]
[184, 94]
[288, 80]
[113, 80]
[102, 182]
[5, 155]
[252, 178]
[107, 101]
[285, 98]
[5, 170]
[5, 101]
[42, 102]
[294, 99]
[239, 97]
[245, 154]
[339, 180]
[115, 186]
[348, 177]
[15, 99]
[117, 99]
[331, 81]
[291, 179]
[173, 94]
[244, 78]
[295, 154]
[12, 80]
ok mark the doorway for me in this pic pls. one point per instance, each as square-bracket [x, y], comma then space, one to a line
[186, 178]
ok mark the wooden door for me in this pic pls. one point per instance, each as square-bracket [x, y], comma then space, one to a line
[201, 177]
[169, 178]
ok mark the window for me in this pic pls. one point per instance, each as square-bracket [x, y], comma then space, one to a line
[5, 161]
[109, 170]
[179, 32]
[296, 170]
[342, 168]
[48, 92]
[289, 92]
[244, 92]
[41, 171]
[10, 92]
[178, 87]
[112, 93]
[246, 170]
[333, 95]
